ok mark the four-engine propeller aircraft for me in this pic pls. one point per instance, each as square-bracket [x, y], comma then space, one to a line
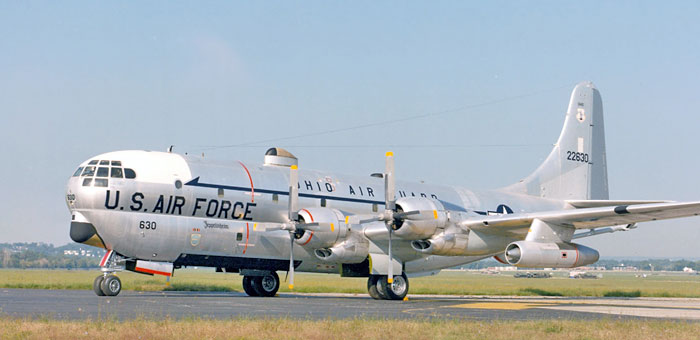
[158, 211]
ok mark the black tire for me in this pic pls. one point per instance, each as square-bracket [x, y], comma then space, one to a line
[248, 286]
[395, 291]
[266, 285]
[111, 285]
[96, 286]
[372, 287]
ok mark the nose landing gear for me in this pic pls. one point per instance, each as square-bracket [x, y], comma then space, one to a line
[108, 284]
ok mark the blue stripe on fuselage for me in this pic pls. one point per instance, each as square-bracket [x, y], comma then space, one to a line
[195, 182]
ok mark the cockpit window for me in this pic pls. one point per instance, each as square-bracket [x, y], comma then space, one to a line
[116, 163]
[128, 173]
[87, 182]
[77, 172]
[117, 173]
[104, 162]
[102, 172]
[89, 171]
[100, 182]
[93, 162]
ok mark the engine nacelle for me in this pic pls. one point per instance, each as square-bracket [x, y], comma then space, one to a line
[445, 244]
[332, 224]
[353, 250]
[423, 225]
[549, 255]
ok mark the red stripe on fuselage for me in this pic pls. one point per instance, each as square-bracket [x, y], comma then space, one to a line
[151, 271]
[252, 190]
[247, 234]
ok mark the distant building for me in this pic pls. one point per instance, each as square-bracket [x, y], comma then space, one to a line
[624, 268]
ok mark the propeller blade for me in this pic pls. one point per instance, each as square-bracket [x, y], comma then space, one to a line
[316, 226]
[401, 215]
[389, 208]
[373, 219]
[389, 188]
[293, 193]
[390, 272]
[291, 260]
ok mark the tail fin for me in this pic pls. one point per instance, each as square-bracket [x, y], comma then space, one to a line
[576, 168]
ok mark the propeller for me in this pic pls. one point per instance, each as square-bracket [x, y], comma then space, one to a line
[390, 215]
[293, 216]
[293, 224]
[389, 208]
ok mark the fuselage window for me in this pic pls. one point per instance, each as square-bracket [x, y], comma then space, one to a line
[116, 163]
[77, 172]
[104, 162]
[117, 173]
[93, 162]
[89, 171]
[102, 172]
[100, 182]
[128, 173]
[87, 182]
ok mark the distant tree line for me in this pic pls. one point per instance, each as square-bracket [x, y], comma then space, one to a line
[43, 255]
[609, 264]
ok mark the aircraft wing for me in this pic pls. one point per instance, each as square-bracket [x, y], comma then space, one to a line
[586, 218]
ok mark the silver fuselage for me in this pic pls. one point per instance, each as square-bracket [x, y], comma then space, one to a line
[195, 211]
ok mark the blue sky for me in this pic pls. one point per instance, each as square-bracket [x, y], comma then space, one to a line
[81, 78]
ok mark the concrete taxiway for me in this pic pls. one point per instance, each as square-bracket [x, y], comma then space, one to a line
[83, 304]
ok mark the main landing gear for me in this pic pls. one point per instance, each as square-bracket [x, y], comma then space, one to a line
[266, 284]
[380, 289]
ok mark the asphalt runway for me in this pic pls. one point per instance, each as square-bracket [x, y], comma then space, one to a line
[84, 304]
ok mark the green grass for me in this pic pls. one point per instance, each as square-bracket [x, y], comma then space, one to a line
[284, 328]
[449, 282]
[620, 293]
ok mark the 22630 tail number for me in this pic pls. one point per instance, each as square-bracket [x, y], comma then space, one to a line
[577, 156]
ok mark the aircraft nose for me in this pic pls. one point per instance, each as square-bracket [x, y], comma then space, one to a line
[72, 186]
[81, 231]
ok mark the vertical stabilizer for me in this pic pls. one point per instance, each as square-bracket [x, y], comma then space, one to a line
[576, 168]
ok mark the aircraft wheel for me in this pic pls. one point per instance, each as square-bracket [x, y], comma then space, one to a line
[372, 287]
[111, 285]
[96, 286]
[397, 290]
[266, 285]
[248, 286]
